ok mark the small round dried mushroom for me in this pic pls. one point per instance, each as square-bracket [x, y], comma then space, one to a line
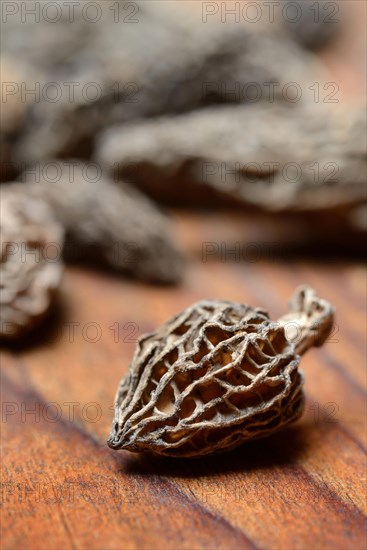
[30, 266]
[215, 375]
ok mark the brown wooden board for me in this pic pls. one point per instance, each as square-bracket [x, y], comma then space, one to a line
[62, 486]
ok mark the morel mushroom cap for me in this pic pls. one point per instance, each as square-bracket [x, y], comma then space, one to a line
[215, 375]
[30, 264]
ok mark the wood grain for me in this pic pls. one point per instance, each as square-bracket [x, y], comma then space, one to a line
[63, 488]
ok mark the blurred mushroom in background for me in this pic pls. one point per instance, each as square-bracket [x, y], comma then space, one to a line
[78, 215]
[163, 59]
[31, 243]
[108, 225]
[308, 159]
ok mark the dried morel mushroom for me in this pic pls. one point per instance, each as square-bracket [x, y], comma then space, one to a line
[169, 62]
[315, 161]
[215, 375]
[107, 225]
[30, 264]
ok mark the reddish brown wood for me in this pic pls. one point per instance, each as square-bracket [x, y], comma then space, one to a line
[63, 488]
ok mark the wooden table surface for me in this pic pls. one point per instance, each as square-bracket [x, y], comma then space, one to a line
[63, 488]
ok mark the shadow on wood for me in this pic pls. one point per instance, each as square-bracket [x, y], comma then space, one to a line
[281, 449]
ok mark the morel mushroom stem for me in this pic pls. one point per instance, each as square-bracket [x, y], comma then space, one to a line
[309, 320]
